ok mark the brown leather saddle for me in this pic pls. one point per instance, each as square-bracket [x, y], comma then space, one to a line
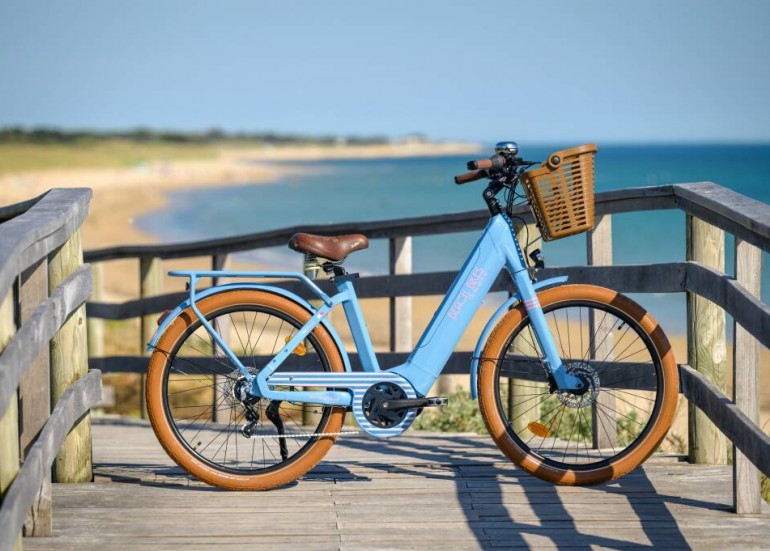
[334, 248]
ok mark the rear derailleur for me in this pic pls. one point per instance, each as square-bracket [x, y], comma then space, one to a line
[272, 412]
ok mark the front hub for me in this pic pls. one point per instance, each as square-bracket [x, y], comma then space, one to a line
[587, 394]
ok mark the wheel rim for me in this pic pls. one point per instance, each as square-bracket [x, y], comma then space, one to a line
[623, 370]
[255, 331]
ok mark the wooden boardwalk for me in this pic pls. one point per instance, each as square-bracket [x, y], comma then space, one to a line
[417, 492]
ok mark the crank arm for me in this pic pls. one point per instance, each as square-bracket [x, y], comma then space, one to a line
[414, 403]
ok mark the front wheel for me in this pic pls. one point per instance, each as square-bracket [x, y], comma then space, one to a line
[628, 401]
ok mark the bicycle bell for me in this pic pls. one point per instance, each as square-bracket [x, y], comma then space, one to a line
[507, 148]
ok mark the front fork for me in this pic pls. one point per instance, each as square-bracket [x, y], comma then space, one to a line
[552, 360]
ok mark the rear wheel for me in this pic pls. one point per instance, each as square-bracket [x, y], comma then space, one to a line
[631, 379]
[198, 406]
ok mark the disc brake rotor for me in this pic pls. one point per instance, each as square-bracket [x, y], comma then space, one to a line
[590, 377]
[233, 386]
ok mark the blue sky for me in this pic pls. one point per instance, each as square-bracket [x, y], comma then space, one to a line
[545, 71]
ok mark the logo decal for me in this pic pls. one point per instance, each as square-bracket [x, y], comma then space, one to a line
[469, 290]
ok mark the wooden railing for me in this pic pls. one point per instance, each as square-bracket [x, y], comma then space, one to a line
[43, 289]
[711, 210]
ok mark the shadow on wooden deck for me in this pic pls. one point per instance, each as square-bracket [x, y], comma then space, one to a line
[471, 475]
[417, 492]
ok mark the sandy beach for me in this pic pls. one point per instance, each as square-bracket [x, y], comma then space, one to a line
[122, 194]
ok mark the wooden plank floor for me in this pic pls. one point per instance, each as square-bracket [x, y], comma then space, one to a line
[415, 492]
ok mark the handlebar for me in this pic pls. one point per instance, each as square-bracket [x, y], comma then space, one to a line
[504, 166]
[471, 176]
[495, 162]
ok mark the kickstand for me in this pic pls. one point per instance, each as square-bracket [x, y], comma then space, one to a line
[275, 417]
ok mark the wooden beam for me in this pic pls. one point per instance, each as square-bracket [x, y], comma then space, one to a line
[10, 457]
[653, 278]
[34, 388]
[8, 212]
[29, 237]
[35, 394]
[458, 364]
[607, 202]
[29, 233]
[222, 326]
[69, 363]
[747, 494]
[32, 337]
[706, 342]
[748, 310]
[400, 261]
[24, 490]
[95, 326]
[150, 284]
[745, 218]
[604, 424]
[735, 424]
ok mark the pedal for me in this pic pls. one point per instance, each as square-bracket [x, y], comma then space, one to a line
[436, 401]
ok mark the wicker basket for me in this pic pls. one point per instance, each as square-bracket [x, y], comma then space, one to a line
[561, 192]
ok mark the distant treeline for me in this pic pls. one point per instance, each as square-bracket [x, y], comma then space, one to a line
[143, 135]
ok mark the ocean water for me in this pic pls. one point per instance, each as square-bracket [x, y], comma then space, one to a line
[354, 190]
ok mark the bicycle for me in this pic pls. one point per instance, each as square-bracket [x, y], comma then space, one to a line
[577, 384]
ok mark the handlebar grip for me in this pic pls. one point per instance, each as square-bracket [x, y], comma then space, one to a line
[471, 177]
[495, 162]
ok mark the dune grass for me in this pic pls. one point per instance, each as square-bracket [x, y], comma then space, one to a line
[21, 157]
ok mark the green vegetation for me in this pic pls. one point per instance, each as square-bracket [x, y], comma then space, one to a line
[46, 148]
[22, 157]
[462, 414]
[54, 136]
[577, 424]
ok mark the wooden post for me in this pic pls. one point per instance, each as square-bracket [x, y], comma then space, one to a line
[400, 307]
[9, 419]
[521, 414]
[35, 395]
[747, 494]
[69, 363]
[222, 327]
[706, 346]
[150, 284]
[603, 417]
[95, 326]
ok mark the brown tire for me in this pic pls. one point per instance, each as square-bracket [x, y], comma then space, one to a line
[180, 345]
[648, 381]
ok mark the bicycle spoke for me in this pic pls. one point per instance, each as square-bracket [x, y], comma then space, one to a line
[196, 369]
[565, 426]
[630, 394]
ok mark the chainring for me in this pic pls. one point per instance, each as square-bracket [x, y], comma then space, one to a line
[372, 405]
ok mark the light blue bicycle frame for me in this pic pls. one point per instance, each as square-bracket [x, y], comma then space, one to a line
[497, 248]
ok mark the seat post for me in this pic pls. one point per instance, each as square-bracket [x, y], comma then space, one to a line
[311, 266]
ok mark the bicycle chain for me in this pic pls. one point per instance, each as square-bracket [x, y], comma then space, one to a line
[303, 435]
